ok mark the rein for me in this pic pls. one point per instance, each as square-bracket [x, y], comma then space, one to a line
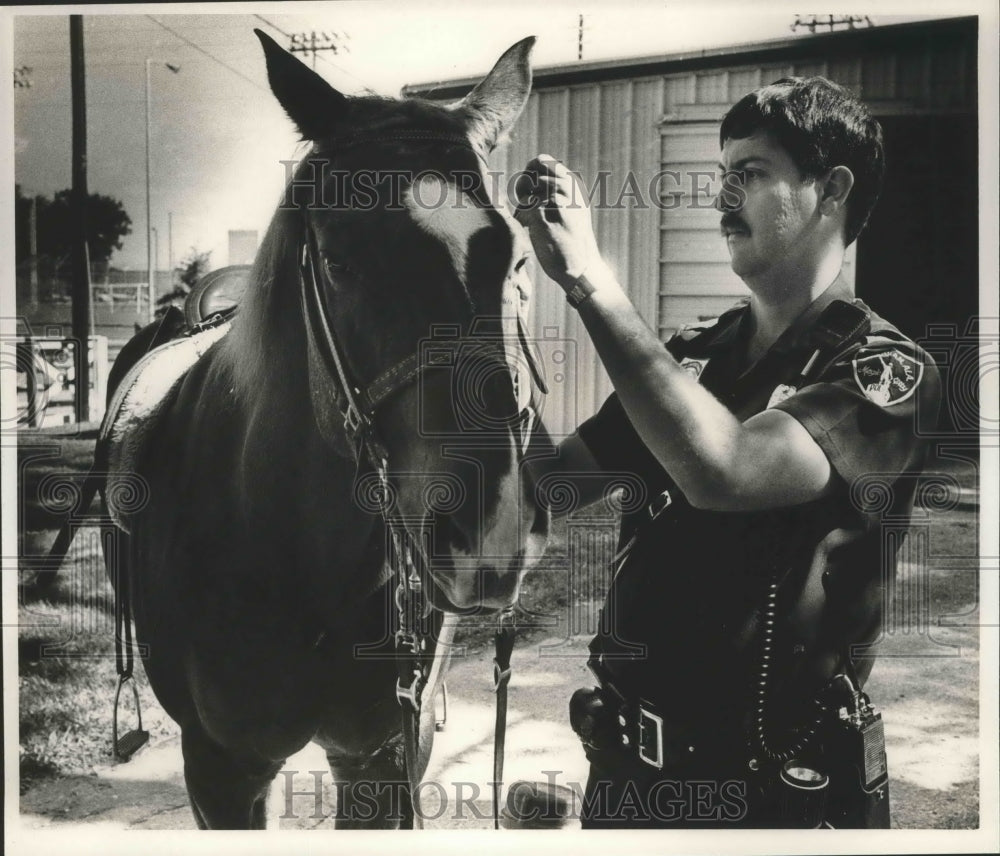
[357, 407]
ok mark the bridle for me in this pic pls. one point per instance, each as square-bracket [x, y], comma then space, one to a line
[357, 405]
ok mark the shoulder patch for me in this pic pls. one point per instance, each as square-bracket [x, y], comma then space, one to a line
[887, 377]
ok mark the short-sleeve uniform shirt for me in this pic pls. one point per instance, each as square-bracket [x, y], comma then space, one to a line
[680, 623]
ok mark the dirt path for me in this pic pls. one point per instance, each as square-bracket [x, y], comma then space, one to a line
[929, 703]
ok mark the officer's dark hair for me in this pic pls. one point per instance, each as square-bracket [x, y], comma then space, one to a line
[821, 125]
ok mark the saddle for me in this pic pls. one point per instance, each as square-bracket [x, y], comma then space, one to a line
[172, 346]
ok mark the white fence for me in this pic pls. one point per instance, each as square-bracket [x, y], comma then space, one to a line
[46, 380]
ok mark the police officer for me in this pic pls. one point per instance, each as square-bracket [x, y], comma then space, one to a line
[770, 445]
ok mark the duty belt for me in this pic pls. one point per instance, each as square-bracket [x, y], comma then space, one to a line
[640, 726]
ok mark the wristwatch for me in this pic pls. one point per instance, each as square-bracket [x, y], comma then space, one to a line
[581, 290]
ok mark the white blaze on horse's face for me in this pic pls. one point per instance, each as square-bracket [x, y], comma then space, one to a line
[501, 547]
[447, 214]
[452, 217]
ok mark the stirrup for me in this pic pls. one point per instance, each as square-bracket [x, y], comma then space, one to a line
[132, 741]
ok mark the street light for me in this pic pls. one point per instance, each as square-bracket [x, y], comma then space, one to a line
[156, 251]
[170, 246]
[149, 220]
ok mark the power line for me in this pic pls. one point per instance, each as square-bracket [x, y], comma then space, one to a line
[811, 22]
[333, 65]
[206, 53]
[273, 26]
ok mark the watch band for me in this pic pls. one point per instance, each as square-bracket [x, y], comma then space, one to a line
[581, 290]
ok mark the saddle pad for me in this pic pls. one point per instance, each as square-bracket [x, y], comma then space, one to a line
[133, 411]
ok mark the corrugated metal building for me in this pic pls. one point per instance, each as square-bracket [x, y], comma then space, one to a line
[643, 135]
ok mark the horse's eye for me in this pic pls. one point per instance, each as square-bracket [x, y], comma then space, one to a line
[521, 262]
[334, 267]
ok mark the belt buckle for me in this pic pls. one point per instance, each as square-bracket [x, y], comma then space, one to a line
[650, 736]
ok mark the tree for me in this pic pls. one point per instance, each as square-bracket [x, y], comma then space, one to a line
[191, 269]
[107, 224]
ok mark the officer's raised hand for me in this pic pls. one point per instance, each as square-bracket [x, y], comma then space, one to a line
[553, 207]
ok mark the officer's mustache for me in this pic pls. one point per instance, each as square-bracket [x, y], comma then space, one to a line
[732, 223]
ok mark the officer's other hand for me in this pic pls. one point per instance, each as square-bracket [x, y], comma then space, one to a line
[553, 207]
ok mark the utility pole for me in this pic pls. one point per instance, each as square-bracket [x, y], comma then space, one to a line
[811, 22]
[149, 210]
[579, 38]
[156, 252]
[33, 252]
[80, 266]
[313, 42]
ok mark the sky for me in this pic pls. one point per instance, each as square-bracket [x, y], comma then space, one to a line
[218, 137]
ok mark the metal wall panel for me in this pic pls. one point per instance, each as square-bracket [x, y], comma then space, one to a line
[878, 76]
[691, 213]
[678, 89]
[846, 72]
[712, 88]
[695, 277]
[643, 223]
[810, 69]
[948, 80]
[552, 320]
[772, 72]
[741, 81]
[913, 74]
[598, 129]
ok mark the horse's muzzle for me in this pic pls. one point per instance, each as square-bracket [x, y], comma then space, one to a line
[463, 583]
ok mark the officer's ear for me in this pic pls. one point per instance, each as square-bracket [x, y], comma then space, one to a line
[835, 187]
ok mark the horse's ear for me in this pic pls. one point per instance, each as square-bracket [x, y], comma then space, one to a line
[310, 102]
[498, 100]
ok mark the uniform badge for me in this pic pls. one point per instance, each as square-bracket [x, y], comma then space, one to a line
[888, 377]
[781, 392]
[694, 367]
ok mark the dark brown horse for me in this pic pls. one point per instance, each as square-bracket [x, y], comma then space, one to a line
[259, 565]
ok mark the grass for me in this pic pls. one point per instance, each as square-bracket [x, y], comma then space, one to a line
[67, 675]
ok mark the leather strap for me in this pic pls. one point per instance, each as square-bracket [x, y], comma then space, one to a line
[411, 741]
[504, 646]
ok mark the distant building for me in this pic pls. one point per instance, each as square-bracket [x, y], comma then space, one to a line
[917, 262]
[242, 246]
